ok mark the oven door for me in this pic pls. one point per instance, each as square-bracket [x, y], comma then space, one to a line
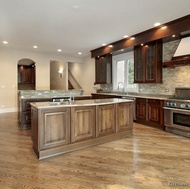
[177, 118]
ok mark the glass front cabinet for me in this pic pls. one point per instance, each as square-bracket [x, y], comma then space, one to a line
[148, 63]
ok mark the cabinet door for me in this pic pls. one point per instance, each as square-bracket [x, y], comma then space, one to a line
[150, 62]
[106, 120]
[139, 64]
[26, 75]
[153, 62]
[154, 111]
[141, 108]
[124, 118]
[103, 69]
[83, 123]
[55, 128]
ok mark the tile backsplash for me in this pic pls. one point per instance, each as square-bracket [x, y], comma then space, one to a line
[172, 77]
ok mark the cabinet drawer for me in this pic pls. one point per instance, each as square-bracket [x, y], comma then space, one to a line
[141, 100]
[155, 101]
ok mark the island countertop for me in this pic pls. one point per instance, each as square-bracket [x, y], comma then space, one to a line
[41, 105]
[136, 95]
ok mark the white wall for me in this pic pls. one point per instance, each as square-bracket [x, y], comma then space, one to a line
[58, 81]
[9, 58]
[84, 74]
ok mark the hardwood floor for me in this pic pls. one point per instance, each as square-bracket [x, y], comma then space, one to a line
[149, 159]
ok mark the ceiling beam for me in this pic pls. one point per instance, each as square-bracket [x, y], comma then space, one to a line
[174, 27]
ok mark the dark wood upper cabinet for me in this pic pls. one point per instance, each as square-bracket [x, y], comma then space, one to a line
[148, 63]
[26, 75]
[103, 69]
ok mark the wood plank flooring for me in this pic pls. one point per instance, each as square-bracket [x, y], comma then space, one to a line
[149, 159]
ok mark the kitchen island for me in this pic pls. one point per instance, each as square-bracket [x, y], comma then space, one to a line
[61, 127]
[26, 97]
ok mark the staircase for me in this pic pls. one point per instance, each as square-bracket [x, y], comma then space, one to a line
[72, 82]
[70, 87]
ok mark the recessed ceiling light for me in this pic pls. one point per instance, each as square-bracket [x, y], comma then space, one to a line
[125, 36]
[163, 27]
[5, 42]
[173, 35]
[59, 50]
[122, 49]
[75, 7]
[35, 47]
[103, 44]
[79, 53]
[110, 46]
[142, 44]
[132, 38]
[157, 24]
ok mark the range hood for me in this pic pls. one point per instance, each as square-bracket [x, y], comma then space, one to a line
[182, 54]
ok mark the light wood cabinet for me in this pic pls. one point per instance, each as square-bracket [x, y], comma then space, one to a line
[55, 128]
[106, 120]
[124, 117]
[24, 108]
[24, 111]
[83, 123]
[50, 129]
[63, 128]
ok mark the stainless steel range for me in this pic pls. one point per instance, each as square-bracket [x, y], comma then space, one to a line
[177, 113]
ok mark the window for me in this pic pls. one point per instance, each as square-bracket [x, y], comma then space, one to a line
[123, 73]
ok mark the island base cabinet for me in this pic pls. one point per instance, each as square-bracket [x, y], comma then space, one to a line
[34, 129]
[53, 130]
[106, 120]
[124, 118]
[58, 130]
[83, 123]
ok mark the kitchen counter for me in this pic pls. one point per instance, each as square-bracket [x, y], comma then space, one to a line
[52, 96]
[25, 97]
[136, 95]
[31, 94]
[41, 105]
[67, 126]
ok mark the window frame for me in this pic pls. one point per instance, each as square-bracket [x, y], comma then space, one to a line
[122, 57]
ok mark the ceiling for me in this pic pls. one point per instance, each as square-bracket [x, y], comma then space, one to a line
[80, 25]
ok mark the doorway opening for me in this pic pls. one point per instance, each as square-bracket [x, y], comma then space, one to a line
[26, 74]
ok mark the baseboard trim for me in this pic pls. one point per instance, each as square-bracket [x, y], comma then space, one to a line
[8, 110]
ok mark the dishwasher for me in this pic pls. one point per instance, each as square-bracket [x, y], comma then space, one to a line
[134, 105]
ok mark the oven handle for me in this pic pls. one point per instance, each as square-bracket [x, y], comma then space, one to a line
[176, 109]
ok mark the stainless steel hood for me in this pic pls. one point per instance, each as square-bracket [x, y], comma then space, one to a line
[182, 54]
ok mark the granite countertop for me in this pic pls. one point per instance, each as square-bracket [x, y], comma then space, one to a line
[35, 94]
[138, 95]
[51, 96]
[41, 105]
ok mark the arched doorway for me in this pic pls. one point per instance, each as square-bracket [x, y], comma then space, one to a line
[26, 74]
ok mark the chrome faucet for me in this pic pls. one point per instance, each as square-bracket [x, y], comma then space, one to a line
[122, 86]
